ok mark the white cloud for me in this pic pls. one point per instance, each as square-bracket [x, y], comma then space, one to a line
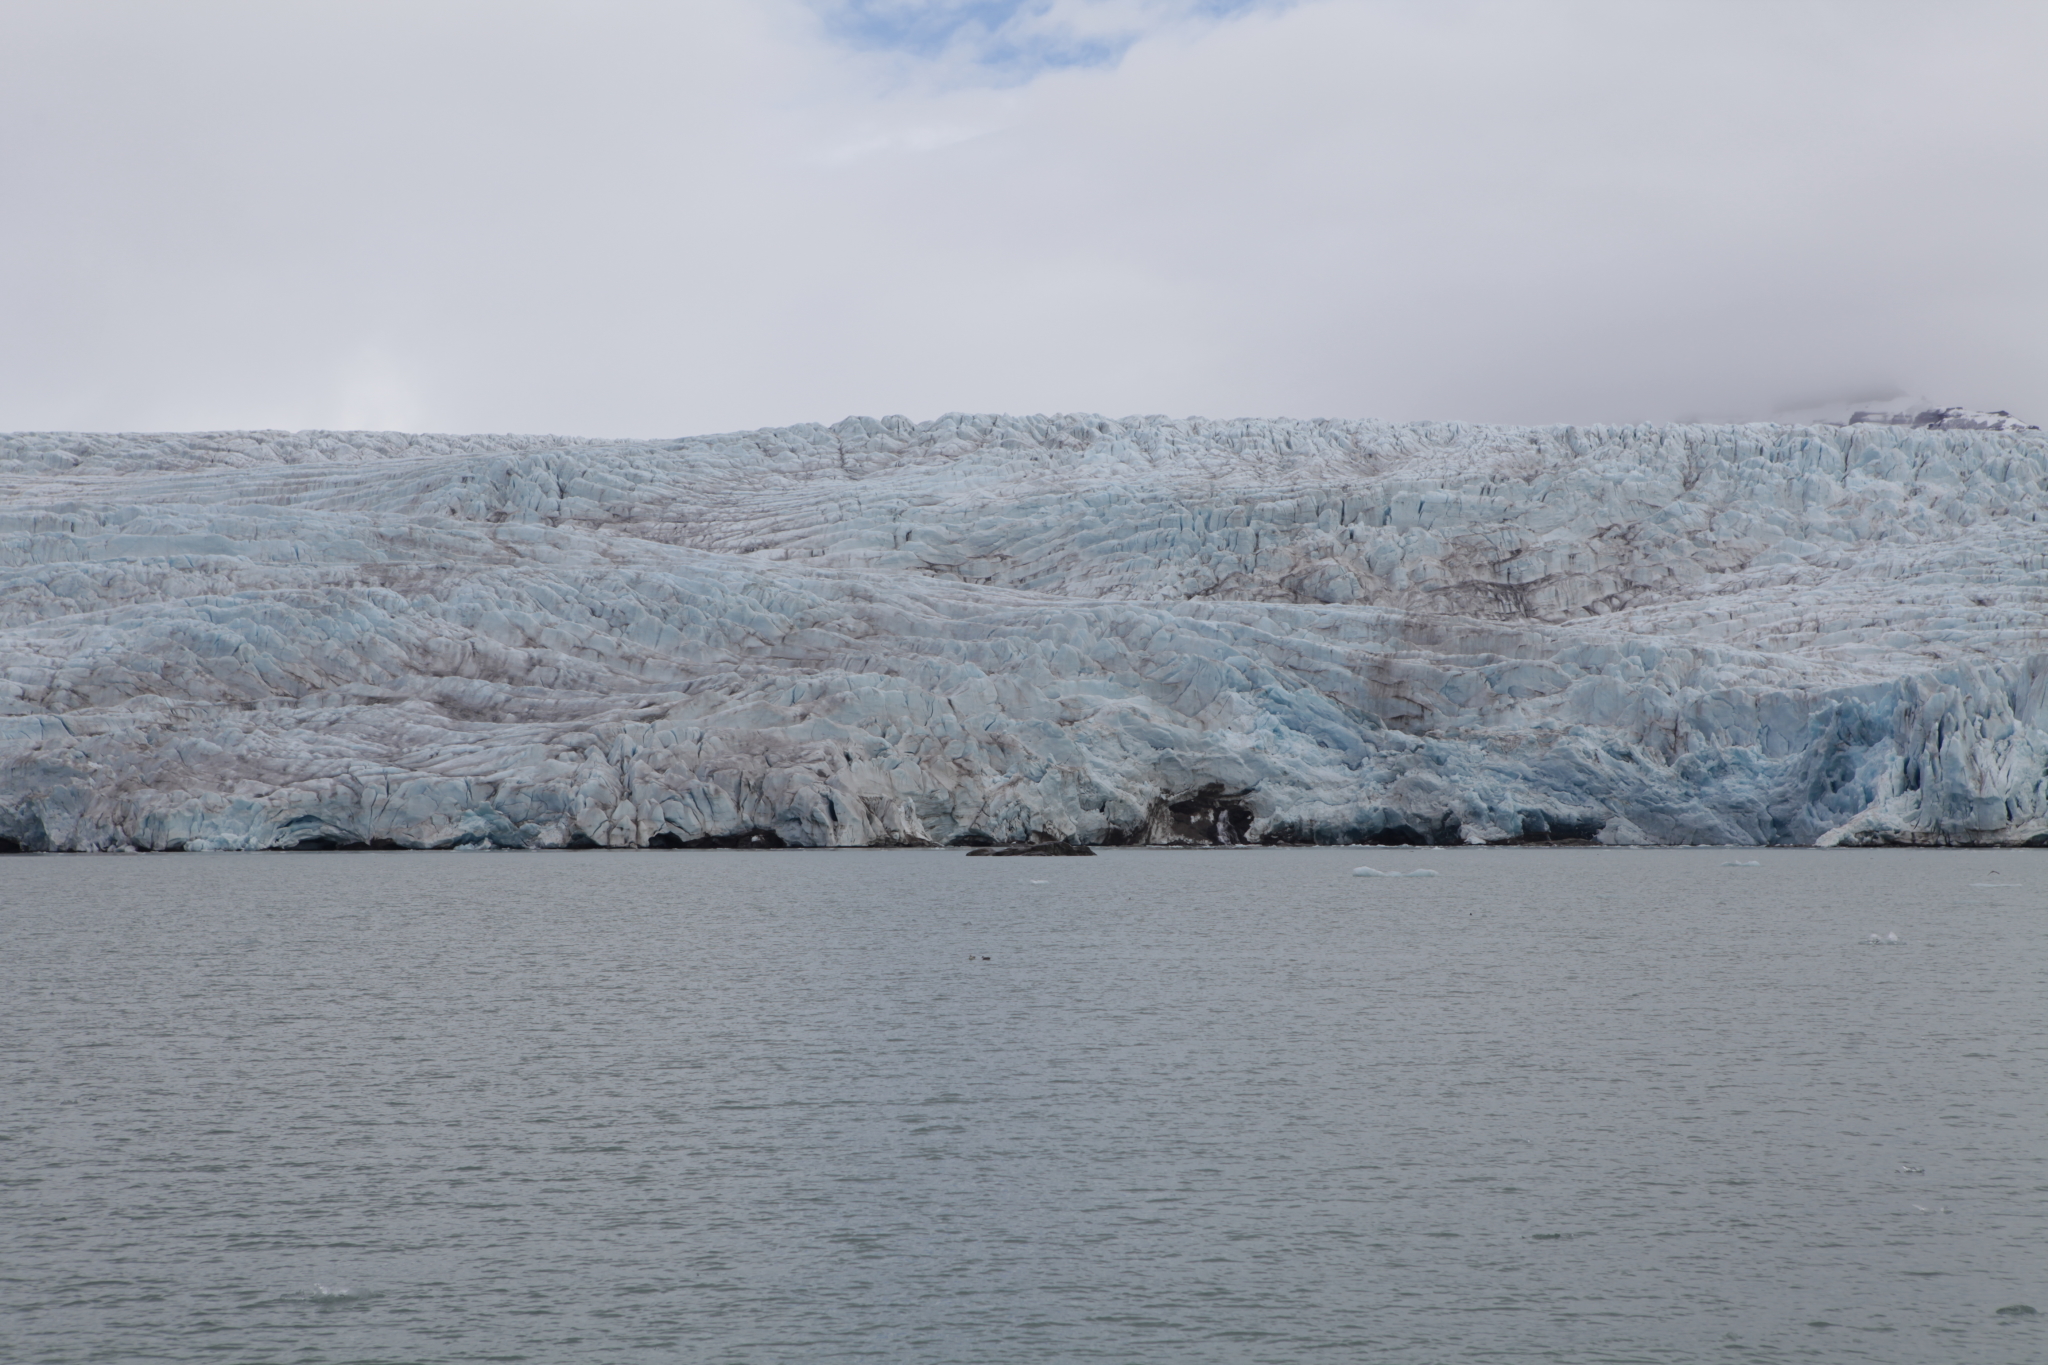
[636, 218]
[875, 140]
[374, 392]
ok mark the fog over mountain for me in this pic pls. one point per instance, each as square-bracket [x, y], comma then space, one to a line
[640, 218]
[990, 629]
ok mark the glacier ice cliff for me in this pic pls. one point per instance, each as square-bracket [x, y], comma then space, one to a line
[986, 630]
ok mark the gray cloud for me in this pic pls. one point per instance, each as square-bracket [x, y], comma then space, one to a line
[643, 219]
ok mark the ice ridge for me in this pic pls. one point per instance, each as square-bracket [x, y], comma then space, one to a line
[984, 629]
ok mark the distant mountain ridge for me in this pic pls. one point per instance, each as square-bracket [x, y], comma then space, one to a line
[1943, 419]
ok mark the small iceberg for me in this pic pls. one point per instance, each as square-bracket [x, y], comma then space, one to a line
[1751, 863]
[1885, 940]
[1375, 872]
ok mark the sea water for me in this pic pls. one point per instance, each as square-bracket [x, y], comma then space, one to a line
[1174, 1106]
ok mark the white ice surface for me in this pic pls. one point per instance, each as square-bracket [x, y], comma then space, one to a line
[1002, 629]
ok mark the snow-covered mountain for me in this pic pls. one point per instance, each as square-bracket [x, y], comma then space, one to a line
[992, 629]
[1942, 419]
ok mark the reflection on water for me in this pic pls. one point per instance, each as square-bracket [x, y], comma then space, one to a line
[1231, 1105]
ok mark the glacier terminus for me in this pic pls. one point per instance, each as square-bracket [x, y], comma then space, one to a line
[989, 630]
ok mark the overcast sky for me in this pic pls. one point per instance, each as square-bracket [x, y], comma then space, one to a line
[660, 217]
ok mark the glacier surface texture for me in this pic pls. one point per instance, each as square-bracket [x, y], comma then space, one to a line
[990, 630]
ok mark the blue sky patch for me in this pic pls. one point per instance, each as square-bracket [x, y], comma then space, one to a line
[1013, 37]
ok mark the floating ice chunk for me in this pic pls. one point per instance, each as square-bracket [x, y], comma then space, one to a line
[1751, 863]
[1996, 886]
[1369, 872]
[1419, 872]
[1885, 940]
[1038, 881]
[1622, 832]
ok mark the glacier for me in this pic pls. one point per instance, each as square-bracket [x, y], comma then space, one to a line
[987, 630]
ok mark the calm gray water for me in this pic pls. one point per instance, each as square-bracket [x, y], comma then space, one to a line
[1581, 1105]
